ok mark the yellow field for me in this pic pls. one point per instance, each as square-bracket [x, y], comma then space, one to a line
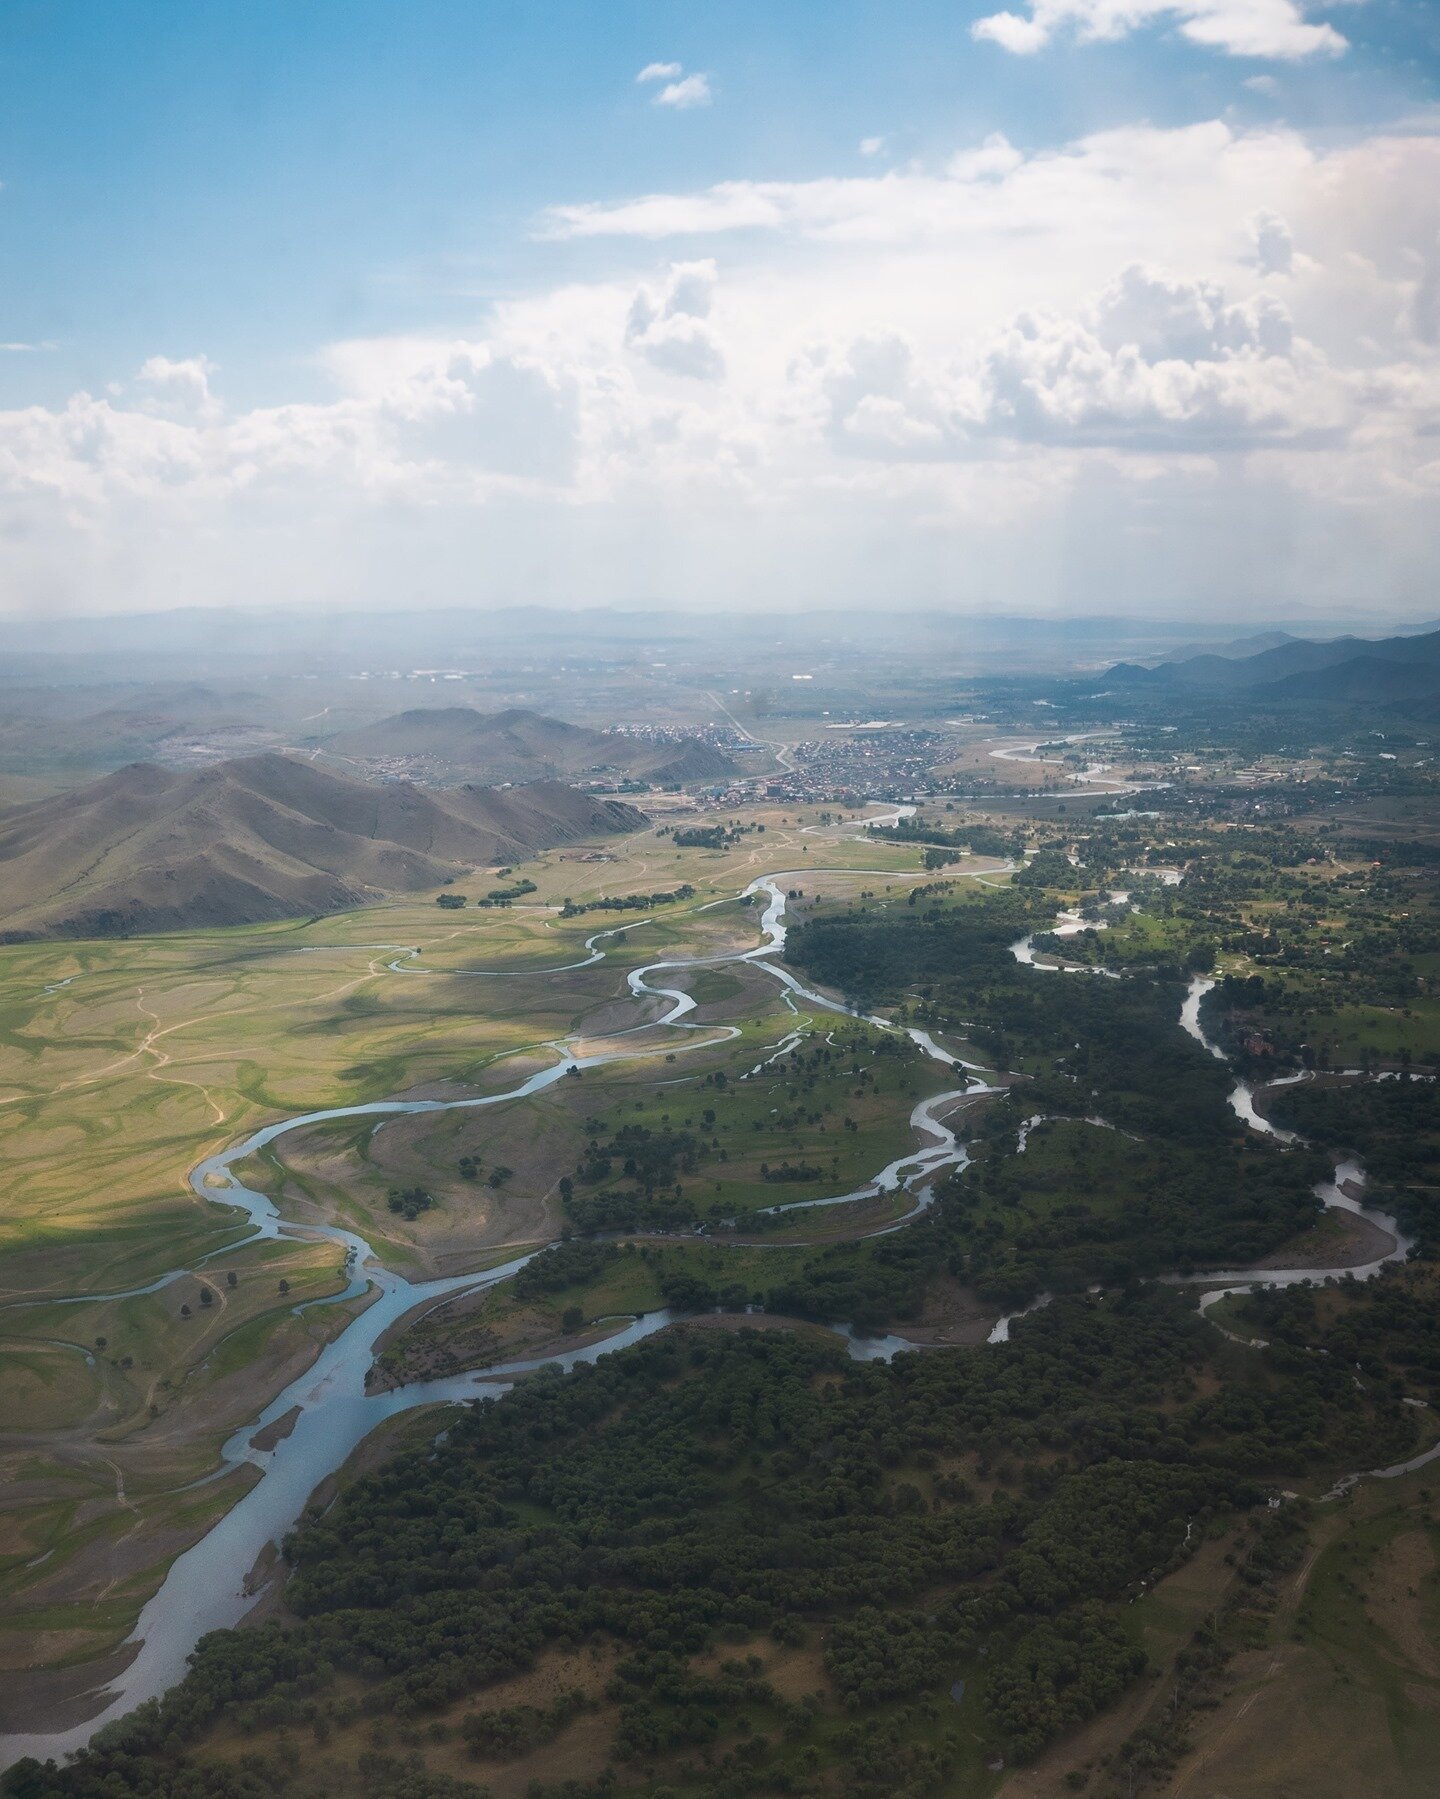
[124, 1063]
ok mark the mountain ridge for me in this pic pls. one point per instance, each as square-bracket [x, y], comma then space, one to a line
[1354, 670]
[262, 837]
[518, 743]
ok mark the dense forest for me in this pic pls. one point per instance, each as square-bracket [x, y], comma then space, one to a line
[1175, 1182]
[1083, 1041]
[1394, 1126]
[965, 1516]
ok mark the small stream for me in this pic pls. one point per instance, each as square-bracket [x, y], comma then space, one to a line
[1337, 1193]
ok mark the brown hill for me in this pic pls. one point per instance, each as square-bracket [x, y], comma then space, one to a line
[261, 837]
[519, 745]
[75, 733]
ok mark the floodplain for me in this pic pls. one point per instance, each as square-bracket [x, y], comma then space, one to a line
[123, 1064]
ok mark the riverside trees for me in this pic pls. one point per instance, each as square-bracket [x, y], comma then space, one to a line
[980, 1515]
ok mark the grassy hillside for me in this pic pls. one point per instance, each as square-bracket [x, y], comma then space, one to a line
[262, 837]
[520, 745]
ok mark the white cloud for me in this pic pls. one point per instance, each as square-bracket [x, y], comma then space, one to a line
[681, 91]
[997, 156]
[1163, 365]
[984, 377]
[491, 414]
[1168, 319]
[1265, 28]
[177, 388]
[668, 328]
[871, 146]
[1274, 244]
[690, 91]
[1178, 179]
[1152, 363]
[1021, 37]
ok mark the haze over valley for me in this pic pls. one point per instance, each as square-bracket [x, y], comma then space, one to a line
[720, 902]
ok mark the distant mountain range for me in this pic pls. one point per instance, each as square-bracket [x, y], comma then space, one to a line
[64, 733]
[262, 837]
[1386, 671]
[1237, 647]
[519, 745]
[91, 728]
[248, 647]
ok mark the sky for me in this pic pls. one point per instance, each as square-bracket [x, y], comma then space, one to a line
[1123, 306]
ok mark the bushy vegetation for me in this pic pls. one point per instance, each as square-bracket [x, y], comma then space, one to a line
[505, 896]
[628, 902]
[1178, 1183]
[978, 839]
[410, 1202]
[564, 1265]
[703, 1488]
[703, 837]
[1394, 1126]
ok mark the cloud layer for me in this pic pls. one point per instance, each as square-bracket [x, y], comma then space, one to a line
[1275, 29]
[1151, 364]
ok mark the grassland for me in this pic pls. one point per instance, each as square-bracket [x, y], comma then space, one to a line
[124, 1063]
[1339, 1692]
[1331, 1686]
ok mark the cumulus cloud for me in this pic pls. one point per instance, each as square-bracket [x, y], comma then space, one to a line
[995, 157]
[660, 71]
[1153, 362]
[502, 415]
[1251, 386]
[177, 387]
[689, 91]
[971, 364]
[871, 146]
[1274, 243]
[668, 328]
[1266, 28]
[1167, 319]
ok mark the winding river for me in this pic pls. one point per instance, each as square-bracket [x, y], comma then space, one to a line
[1338, 1193]
[206, 1587]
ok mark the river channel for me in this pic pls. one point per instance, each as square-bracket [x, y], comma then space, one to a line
[206, 1587]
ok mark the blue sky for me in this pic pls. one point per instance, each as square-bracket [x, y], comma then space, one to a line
[251, 179]
[252, 190]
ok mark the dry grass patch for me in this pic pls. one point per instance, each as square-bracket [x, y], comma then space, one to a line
[1393, 1600]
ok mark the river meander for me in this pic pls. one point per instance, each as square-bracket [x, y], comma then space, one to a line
[206, 1586]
